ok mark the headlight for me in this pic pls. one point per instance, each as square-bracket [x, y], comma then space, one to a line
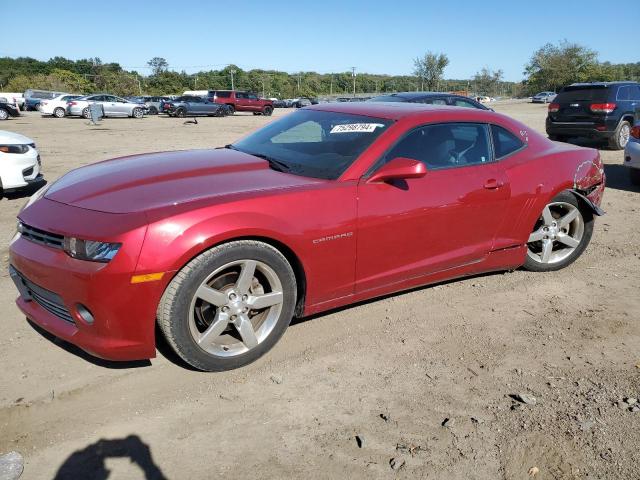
[20, 148]
[90, 250]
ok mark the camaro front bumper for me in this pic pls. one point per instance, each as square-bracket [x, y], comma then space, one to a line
[57, 291]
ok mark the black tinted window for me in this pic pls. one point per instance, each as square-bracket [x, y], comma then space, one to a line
[445, 145]
[504, 142]
[459, 102]
[223, 94]
[582, 93]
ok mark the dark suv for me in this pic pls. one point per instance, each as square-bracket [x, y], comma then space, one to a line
[600, 110]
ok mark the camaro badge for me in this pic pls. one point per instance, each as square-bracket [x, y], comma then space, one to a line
[337, 236]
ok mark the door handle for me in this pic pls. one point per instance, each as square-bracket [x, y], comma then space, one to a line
[492, 184]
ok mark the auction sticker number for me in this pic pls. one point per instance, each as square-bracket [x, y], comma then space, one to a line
[356, 128]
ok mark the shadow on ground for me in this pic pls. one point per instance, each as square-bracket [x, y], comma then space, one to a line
[90, 461]
[70, 348]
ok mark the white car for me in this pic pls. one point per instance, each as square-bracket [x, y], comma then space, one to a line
[57, 106]
[19, 161]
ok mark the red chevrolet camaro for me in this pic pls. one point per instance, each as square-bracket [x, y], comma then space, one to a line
[327, 206]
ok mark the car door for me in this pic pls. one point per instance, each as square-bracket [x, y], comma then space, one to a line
[109, 105]
[447, 218]
[253, 102]
[242, 102]
[196, 105]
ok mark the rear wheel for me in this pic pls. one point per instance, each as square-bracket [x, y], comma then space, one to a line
[3, 114]
[267, 111]
[634, 176]
[560, 235]
[620, 136]
[231, 109]
[181, 113]
[228, 306]
[59, 112]
[86, 113]
[153, 110]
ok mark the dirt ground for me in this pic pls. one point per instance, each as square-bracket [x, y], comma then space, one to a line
[390, 371]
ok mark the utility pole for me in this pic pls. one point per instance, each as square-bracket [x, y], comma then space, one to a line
[263, 96]
[299, 82]
[195, 82]
[331, 86]
[232, 71]
[353, 74]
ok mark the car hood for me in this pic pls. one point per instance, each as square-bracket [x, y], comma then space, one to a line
[145, 182]
[10, 138]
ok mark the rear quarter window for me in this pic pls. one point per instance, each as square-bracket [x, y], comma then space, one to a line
[504, 142]
[223, 94]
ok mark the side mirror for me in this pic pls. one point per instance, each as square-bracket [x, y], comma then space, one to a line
[399, 168]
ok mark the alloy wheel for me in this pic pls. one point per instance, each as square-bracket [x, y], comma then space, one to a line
[556, 234]
[235, 308]
[624, 134]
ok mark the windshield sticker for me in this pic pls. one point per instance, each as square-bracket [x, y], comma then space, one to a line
[356, 128]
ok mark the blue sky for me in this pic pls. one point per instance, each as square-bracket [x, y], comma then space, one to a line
[326, 36]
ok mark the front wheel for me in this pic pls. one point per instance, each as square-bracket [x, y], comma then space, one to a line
[86, 113]
[59, 112]
[267, 111]
[153, 110]
[231, 109]
[181, 113]
[560, 235]
[228, 306]
[137, 113]
[3, 114]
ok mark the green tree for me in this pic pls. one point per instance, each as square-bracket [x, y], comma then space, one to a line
[487, 82]
[430, 69]
[553, 66]
[158, 65]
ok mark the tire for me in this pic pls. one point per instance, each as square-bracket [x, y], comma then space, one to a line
[3, 114]
[621, 136]
[231, 109]
[185, 317]
[153, 110]
[86, 113]
[566, 241]
[267, 111]
[137, 113]
[181, 113]
[634, 176]
[59, 112]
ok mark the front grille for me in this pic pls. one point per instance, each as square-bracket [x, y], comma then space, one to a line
[40, 236]
[50, 301]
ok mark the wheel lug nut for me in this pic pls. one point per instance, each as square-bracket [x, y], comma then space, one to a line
[225, 309]
[245, 310]
[232, 296]
[244, 298]
[233, 317]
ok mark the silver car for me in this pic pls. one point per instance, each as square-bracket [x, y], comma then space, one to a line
[113, 106]
[632, 155]
[543, 97]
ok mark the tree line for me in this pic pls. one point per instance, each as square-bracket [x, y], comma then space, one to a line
[550, 67]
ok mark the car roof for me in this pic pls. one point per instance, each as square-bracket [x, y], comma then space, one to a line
[413, 95]
[603, 84]
[392, 110]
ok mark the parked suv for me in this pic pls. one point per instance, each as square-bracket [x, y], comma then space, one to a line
[601, 110]
[238, 101]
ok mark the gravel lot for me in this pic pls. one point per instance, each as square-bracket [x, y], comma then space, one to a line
[391, 371]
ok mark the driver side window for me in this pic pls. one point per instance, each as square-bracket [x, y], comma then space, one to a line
[445, 145]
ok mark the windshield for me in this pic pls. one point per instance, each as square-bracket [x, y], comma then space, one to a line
[314, 143]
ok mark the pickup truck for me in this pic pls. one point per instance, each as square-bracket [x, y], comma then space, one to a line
[238, 101]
